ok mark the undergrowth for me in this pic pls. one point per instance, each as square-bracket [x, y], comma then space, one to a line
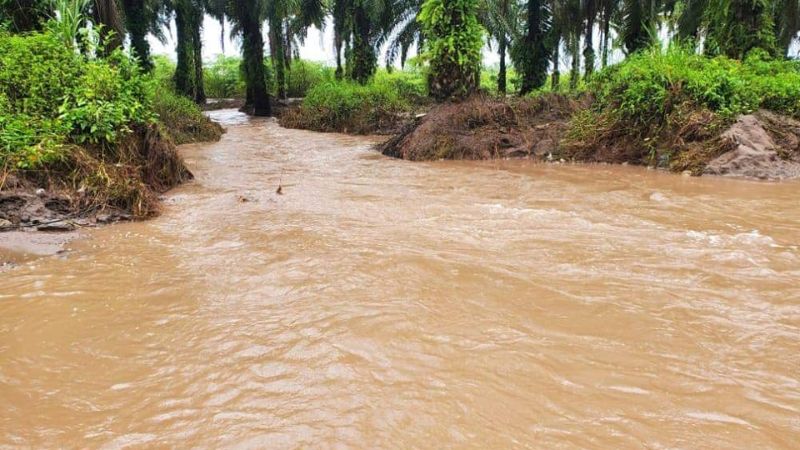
[665, 108]
[344, 106]
[72, 121]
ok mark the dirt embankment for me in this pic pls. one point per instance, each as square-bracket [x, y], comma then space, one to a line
[486, 128]
[93, 185]
[762, 145]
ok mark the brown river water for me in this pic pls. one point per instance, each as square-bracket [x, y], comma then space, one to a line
[386, 304]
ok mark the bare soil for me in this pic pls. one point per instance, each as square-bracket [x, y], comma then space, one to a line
[486, 128]
[92, 186]
[763, 145]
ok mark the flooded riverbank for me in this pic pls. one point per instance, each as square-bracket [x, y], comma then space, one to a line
[384, 304]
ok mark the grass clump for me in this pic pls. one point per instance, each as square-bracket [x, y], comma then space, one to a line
[305, 75]
[179, 116]
[343, 106]
[223, 78]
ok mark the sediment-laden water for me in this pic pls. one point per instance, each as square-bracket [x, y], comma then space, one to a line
[384, 304]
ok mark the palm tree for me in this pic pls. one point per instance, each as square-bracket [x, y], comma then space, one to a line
[189, 71]
[501, 20]
[455, 42]
[25, 15]
[247, 17]
[589, 12]
[112, 30]
[787, 23]
[531, 53]
[288, 21]
[143, 17]
[639, 23]
[607, 10]
[734, 27]
[361, 27]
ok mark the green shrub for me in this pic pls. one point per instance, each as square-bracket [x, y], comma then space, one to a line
[53, 97]
[667, 107]
[645, 87]
[183, 120]
[223, 78]
[348, 107]
[410, 85]
[304, 75]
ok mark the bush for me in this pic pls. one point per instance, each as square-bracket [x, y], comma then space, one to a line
[409, 85]
[667, 107]
[645, 87]
[87, 125]
[183, 120]
[345, 106]
[304, 75]
[53, 97]
[180, 117]
[223, 78]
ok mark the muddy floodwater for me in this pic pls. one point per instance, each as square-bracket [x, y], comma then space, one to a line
[386, 304]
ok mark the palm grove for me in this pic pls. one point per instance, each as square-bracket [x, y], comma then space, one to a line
[538, 35]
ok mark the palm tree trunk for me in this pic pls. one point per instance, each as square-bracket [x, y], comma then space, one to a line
[575, 71]
[253, 53]
[276, 44]
[555, 79]
[185, 70]
[137, 29]
[606, 38]
[112, 33]
[197, 41]
[588, 47]
[502, 83]
[534, 52]
[364, 59]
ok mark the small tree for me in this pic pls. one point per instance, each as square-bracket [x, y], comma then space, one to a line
[455, 40]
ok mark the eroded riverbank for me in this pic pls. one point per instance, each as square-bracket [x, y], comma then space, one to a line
[384, 304]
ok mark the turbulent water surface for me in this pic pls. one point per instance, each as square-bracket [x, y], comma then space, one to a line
[386, 304]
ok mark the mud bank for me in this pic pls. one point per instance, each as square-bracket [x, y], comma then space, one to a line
[762, 145]
[486, 128]
[92, 186]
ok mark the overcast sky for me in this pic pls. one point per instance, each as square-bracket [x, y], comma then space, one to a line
[318, 45]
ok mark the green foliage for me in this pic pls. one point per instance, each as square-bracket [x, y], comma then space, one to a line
[53, 97]
[348, 106]
[106, 100]
[645, 87]
[71, 18]
[224, 78]
[737, 26]
[666, 108]
[489, 76]
[304, 75]
[183, 120]
[455, 40]
[410, 85]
